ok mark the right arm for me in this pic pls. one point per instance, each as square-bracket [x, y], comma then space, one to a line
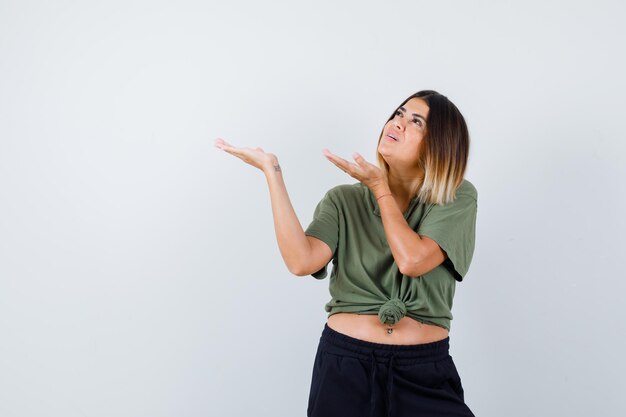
[302, 254]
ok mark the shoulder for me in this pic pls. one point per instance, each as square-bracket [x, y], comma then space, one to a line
[347, 191]
[348, 196]
[465, 195]
[467, 189]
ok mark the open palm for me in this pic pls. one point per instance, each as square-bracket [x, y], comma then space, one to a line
[256, 157]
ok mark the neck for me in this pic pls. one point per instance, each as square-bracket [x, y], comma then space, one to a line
[401, 183]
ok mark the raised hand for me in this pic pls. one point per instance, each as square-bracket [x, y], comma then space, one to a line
[368, 174]
[256, 157]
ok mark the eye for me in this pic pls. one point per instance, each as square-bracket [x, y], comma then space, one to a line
[416, 121]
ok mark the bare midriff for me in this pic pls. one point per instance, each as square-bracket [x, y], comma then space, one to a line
[368, 327]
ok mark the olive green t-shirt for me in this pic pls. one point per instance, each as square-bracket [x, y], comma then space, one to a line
[366, 280]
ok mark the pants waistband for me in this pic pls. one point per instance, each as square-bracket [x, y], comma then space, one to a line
[339, 343]
[403, 354]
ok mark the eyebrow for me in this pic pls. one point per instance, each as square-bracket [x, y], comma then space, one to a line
[414, 114]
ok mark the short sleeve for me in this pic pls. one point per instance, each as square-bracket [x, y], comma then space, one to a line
[325, 226]
[453, 227]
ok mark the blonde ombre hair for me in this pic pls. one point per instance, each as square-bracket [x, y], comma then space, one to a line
[443, 152]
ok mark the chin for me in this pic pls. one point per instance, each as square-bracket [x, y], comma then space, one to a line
[384, 152]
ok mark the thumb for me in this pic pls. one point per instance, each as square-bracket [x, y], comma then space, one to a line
[358, 158]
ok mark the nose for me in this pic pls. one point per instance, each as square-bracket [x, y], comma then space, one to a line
[398, 124]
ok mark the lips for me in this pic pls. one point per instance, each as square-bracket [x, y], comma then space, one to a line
[392, 136]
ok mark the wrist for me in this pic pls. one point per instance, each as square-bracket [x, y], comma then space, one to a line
[272, 168]
[381, 190]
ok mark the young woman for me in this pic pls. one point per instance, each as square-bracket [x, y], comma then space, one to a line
[400, 239]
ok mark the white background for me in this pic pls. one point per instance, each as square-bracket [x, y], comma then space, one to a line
[139, 270]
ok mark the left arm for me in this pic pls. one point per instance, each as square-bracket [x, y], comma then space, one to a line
[414, 255]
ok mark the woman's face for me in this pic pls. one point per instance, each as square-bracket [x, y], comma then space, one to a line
[408, 127]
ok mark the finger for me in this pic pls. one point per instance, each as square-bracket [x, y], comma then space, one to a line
[361, 160]
[340, 162]
[358, 158]
[346, 166]
[239, 152]
[349, 168]
[225, 146]
[222, 144]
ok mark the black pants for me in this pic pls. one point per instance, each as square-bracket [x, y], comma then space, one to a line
[356, 378]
